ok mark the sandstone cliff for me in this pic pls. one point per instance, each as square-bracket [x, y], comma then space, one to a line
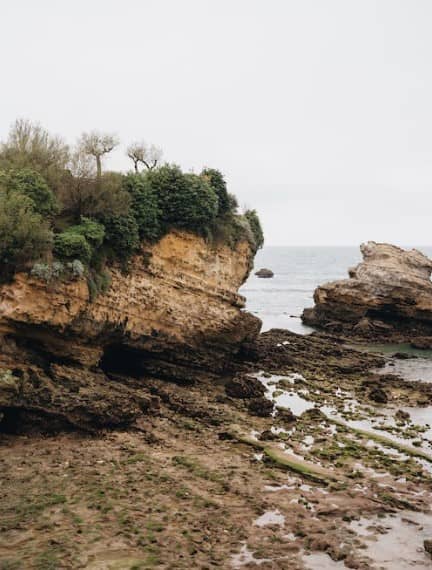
[176, 314]
[389, 292]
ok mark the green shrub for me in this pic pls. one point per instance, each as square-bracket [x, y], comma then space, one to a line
[144, 206]
[93, 231]
[256, 227]
[186, 200]
[98, 283]
[32, 185]
[226, 202]
[24, 236]
[121, 236]
[72, 245]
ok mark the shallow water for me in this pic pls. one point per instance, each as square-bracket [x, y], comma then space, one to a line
[285, 398]
[399, 542]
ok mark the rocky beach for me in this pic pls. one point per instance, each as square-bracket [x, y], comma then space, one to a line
[178, 436]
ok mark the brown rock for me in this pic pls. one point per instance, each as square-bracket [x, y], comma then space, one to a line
[177, 315]
[260, 407]
[378, 395]
[245, 387]
[391, 289]
[285, 415]
[427, 543]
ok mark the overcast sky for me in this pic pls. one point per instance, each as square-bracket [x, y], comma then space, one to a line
[319, 112]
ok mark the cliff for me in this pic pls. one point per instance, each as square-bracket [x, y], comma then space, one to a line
[176, 314]
[388, 293]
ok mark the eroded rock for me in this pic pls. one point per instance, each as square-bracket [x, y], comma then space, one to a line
[390, 290]
[245, 387]
[175, 315]
[261, 407]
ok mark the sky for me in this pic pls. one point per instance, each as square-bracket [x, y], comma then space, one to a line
[319, 112]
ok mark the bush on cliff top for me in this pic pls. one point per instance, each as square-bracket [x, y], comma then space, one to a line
[24, 235]
[57, 204]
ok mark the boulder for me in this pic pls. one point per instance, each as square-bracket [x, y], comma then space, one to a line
[427, 543]
[378, 395]
[390, 290]
[245, 387]
[285, 415]
[260, 407]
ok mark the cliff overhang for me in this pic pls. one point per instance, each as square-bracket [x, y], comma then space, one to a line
[176, 315]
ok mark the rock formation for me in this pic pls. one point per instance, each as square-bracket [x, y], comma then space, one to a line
[176, 314]
[264, 273]
[389, 292]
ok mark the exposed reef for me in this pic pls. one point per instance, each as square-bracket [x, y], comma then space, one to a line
[388, 295]
[176, 314]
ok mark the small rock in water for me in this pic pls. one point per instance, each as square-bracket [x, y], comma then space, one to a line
[285, 415]
[314, 414]
[260, 407]
[378, 395]
[403, 355]
[264, 273]
[402, 416]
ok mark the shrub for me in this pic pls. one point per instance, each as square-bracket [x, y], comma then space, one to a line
[72, 245]
[84, 195]
[256, 228]
[121, 236]
[24, 236]
[186, 200]
[144, 206]
[32, 185]
[47, 271]
[217, 181]
[76, 268]
[93, 231]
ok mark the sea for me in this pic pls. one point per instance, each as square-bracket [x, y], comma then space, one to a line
[279, 301]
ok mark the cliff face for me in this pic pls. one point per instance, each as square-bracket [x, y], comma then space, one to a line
[175, 314]
[390, 290]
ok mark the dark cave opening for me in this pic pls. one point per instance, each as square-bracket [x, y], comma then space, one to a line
[120, 359]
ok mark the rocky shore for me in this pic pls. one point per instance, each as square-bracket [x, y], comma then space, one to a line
[179, 437]
[209, 477]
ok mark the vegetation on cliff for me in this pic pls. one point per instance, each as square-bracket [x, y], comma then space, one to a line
[58, 207]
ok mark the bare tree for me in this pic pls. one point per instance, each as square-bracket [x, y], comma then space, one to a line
[82, 194]
[97, 144]
[30, 146]
[147, 155]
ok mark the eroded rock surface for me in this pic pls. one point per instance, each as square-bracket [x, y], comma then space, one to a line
[176, 314]
[389, 291]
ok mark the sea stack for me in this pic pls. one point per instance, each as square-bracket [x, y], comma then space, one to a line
[389, 294]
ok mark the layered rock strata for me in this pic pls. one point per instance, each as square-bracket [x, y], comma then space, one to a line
[175, 314]
[389, 292]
